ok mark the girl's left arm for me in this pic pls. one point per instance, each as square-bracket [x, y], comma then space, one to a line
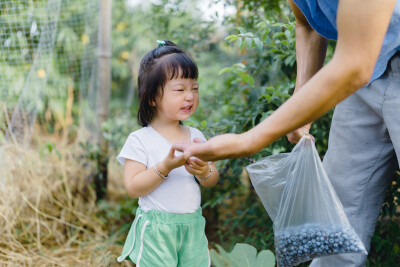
[213, 179]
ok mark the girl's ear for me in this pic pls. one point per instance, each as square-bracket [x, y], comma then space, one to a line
[153, 103]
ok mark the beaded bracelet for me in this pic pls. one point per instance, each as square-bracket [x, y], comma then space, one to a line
[208, 176]
[159, 173]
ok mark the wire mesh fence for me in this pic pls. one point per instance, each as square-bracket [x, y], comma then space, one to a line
[48, 54]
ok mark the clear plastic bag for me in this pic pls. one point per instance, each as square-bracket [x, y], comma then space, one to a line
[309, 220]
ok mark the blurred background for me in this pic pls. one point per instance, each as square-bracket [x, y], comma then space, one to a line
[65, 114]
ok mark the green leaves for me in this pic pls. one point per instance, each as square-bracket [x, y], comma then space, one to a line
[242, 255]
[278, 38]
[245, 39]
[242, 75]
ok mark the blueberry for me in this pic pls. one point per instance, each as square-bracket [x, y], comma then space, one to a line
[297, 245]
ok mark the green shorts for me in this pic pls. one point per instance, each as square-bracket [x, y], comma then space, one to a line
[162, 239]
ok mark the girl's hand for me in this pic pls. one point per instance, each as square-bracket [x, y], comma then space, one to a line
[170, 162]
[197, 167]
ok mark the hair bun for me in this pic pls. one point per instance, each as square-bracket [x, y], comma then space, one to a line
[165, 43]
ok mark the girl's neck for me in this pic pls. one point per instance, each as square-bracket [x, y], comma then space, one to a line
[173, 132]
[164, 124]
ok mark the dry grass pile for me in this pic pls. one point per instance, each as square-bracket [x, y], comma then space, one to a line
[48, 211]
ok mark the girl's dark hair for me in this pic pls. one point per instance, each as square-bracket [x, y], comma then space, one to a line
[165, 62]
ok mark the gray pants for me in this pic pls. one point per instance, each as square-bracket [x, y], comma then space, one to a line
[363, 143]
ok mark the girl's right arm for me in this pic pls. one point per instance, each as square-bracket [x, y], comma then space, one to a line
[140, 182]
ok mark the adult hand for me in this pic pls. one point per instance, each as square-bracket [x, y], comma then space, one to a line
[219, 147]
[296, 135]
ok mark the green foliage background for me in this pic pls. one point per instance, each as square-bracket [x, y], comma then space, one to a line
[247, 70]
[254, 57]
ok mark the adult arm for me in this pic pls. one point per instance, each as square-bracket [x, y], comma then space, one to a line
[362, 27]
[310, 56]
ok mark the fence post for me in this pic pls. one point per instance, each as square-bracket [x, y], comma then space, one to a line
[104, 85]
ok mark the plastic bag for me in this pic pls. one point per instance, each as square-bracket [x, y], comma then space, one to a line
[309, 220]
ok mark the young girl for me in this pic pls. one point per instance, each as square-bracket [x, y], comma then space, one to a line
[168, 229]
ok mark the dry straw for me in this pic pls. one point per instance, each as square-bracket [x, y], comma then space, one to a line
[48, 211]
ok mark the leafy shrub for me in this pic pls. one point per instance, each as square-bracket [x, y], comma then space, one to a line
[242, 255]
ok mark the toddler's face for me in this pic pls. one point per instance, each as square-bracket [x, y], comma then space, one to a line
[179, 100]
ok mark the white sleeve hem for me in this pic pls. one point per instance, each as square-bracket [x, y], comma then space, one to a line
[122, 157]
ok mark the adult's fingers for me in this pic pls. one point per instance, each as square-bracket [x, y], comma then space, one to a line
[296, 135]
[181, 146]
[198, 140]
[184, 148]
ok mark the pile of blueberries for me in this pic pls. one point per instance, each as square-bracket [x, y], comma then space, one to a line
[297, 245]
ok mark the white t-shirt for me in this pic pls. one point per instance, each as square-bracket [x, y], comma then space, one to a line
[179, 193]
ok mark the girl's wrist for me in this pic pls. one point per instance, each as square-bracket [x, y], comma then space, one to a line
[205, 176]
[204, 173]
[163, 169]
